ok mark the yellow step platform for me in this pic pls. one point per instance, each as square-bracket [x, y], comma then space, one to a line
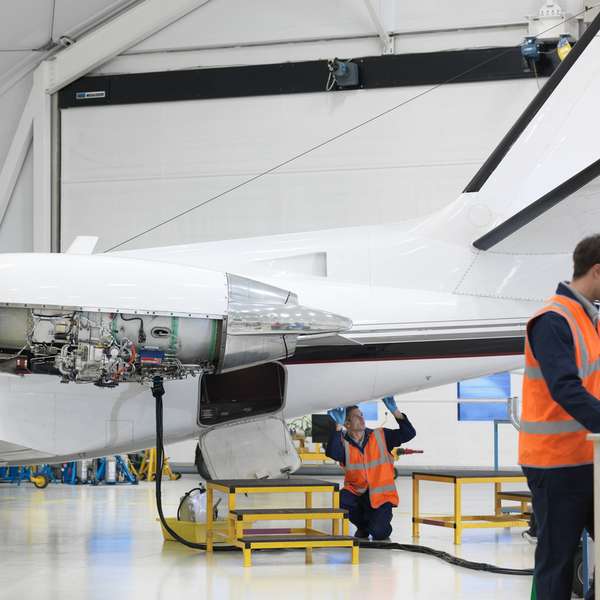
[305, 537]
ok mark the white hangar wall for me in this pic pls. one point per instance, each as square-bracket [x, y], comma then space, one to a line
[237, 32]
[173, 156]
[142, 164]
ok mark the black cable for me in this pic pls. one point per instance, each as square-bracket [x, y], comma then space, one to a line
[537, 81]
[52, 23]
[158, 392]
[449, 558]
[141, 332]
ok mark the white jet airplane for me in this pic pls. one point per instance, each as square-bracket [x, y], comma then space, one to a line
[422, 304]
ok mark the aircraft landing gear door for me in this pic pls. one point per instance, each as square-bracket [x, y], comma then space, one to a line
[242, 431]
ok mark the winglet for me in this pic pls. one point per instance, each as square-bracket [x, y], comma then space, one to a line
[83, 244]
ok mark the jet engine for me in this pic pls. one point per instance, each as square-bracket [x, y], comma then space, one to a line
[107, 320]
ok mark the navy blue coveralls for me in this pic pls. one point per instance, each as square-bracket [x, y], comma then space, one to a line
[368, 520]
[563, 497]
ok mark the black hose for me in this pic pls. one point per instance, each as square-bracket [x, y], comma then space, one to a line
[158, 391]
[141, 332]
[449, 558]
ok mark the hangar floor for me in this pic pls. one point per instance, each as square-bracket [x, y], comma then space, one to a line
[74, 542]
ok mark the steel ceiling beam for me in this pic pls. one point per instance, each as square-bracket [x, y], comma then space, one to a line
[387, 41]
[17, 151]
[113, 38]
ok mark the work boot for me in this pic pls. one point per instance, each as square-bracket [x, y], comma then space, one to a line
[361, 534]
[530, 536]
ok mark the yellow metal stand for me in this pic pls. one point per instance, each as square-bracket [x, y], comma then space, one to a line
[305, 537]
[522, 497]
[147, 468]
[315, 455]
[458, 521]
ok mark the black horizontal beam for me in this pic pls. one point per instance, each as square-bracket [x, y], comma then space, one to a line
[458, 66]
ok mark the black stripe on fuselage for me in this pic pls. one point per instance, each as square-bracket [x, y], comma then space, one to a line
[424, 350]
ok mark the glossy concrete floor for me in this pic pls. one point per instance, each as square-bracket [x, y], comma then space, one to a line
[82, 542]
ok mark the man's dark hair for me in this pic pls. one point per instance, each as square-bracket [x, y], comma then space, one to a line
[586, 255]
[348, 409]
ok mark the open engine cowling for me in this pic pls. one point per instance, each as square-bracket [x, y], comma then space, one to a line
[107, 320]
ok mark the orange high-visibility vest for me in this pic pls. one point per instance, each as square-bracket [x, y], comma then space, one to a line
[549, 437]
[372, 469]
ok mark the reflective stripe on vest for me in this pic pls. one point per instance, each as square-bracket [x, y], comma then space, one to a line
[383, 488]
[587, 367]
[551, 427]
[549, 437]
[372, 470]
[384, 455]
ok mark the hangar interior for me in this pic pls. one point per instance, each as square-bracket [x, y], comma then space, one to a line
[154, 125]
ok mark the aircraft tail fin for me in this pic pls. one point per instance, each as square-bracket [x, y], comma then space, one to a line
[538, 192]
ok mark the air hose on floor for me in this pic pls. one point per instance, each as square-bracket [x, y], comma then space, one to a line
[449, 558]
[158, 392]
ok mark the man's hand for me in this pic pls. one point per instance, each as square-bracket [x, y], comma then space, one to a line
[338, 416]
[391, 405]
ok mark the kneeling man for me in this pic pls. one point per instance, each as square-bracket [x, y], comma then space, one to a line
[369, 491]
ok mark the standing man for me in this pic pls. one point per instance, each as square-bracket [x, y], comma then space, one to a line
[561, 392]
[369, 491]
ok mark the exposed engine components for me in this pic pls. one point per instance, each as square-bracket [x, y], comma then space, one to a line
[109, 348]
[134, 320]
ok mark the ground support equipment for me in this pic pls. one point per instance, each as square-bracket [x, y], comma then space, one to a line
[523, 497]
[147, 468]
[305, 537]
[458, 521]
[123, 472]
[314, 455]
[40, 476]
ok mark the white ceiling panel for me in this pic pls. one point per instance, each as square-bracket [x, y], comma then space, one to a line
[26, 24]
[9, 60]
[232, 22]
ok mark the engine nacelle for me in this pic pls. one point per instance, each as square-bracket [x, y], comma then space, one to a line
[133, 320]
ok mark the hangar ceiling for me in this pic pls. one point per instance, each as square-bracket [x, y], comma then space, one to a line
[29, 29]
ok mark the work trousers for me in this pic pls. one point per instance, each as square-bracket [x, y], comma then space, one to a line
[375, 522]
[563, 505]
